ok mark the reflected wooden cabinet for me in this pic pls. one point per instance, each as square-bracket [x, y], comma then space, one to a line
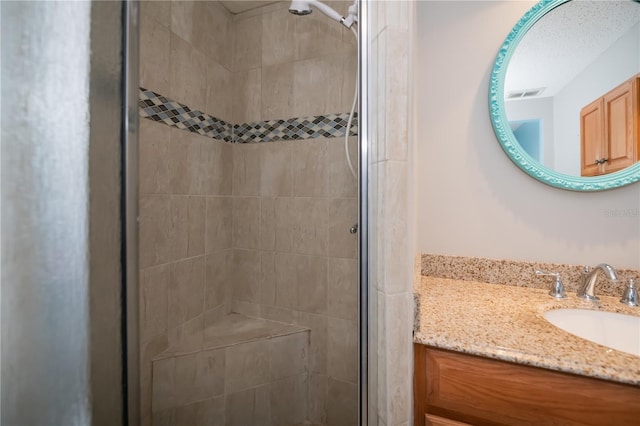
[454, 389]
[609, 130]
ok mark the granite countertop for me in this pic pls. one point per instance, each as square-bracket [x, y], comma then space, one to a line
[506, 322]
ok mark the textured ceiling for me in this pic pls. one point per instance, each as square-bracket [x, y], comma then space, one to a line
[239, 6]
[565, 41]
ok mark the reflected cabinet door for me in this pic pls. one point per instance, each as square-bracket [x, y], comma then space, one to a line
[609, 130]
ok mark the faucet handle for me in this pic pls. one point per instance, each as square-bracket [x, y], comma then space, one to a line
[557, 288]
[630, 295]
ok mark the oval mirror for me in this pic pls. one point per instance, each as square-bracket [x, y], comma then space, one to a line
[564, 94]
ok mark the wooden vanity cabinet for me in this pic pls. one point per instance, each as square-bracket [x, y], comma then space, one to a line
[451, 389]
[609, 130]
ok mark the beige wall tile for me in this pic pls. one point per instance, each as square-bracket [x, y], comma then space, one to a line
[183, 16]
[219, 167]
[342, 183]
[342, 350]
[219, 95]
[164, 382]
[218, 278]
[317, 403]
[218, 223]
[397, 119]
[289, 355]
[278, 314]
[248, 43]
[309, 226]
[153, 301]
[394, 181]
[246, 272]
[286, 282]
[199, 376]
[247, 101]
[190, 219]
[399, 340]
[342, 403]
[212, 317]
[158, 10]
[185, 290]
[342, 290]
[267, 223]
[188, 74]
[380, 69]
[247, 365]
[171, 228]
[268, 278]
[154, 53]
[318, 35]
[185, 338]
[154, 158]
[276, 171]
[343, 213]
[165, 417]
[246, 169]
[301, 282]
[217, 35]
[152, 348]
[310, 172]
[248, 309]
[349, 78]
[284, 217]
[288, 400]
[248, 407]
[156, 231]
[277, 91]
[187, 162]
[209, 412]
[318, 86]
[246, 222]
[278, 37]
[318, 340]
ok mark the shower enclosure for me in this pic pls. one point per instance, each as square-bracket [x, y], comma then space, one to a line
[248, 272]
[237, 301]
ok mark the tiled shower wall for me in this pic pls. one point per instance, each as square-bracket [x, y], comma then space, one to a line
[261, 229]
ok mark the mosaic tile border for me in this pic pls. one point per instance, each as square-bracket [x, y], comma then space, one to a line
[514, 272]
[162, 109]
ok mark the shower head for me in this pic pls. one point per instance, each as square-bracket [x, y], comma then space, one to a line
[303, 7]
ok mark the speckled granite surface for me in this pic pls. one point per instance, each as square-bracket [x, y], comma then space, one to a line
[506, 322]
[516, 273]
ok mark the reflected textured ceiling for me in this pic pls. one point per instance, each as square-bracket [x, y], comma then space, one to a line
[239, 6]
[565, 41]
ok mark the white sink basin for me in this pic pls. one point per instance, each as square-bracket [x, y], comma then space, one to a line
[616, 331]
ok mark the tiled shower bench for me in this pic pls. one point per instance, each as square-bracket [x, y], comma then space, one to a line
[250, 372]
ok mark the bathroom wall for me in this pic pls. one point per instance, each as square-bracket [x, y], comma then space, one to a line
[470, 199]
[294, 201]
[391, 33]
[184, 181]
[258, 228]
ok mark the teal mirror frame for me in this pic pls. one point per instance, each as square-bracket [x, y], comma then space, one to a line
[506, 137]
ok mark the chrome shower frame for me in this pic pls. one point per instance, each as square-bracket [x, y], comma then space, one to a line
[129, 202]
[363, 214]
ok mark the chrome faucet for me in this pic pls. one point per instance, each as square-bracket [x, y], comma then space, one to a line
[589, 282]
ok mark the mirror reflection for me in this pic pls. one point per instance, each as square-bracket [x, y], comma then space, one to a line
[572, 88]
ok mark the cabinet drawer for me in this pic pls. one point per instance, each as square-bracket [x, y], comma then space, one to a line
[482, 391]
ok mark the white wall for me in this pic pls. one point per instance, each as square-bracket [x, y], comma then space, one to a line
[596, 80]
[471, 200]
